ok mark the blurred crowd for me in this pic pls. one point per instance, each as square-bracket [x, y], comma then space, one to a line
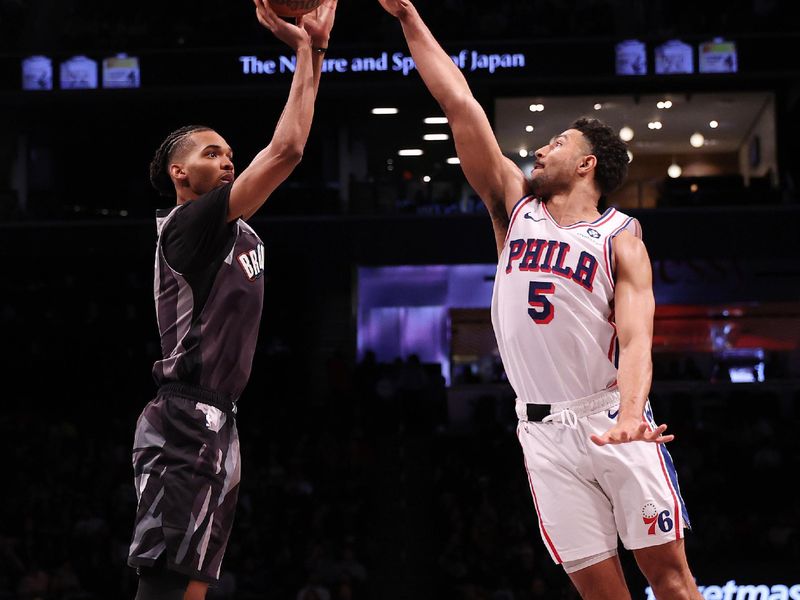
[357, 484]
[367, 491]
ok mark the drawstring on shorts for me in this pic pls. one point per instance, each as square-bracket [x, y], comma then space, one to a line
[568, 418]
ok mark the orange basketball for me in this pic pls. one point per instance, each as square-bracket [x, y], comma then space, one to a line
[293, 8]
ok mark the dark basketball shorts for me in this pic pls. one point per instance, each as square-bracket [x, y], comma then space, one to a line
[187, 469]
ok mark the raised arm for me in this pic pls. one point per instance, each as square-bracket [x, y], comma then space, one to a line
[318, 24]
[275, 163]
[634, 307]
[496, 179]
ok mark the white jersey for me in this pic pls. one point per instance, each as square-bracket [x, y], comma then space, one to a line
[552, 306]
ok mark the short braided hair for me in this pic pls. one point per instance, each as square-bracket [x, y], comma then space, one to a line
[610, 150]
[159, 167]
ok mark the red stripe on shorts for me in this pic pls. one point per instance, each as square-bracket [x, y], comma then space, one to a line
[536, 506]
[678, 516]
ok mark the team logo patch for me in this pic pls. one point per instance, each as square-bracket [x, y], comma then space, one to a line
[653, 518]
[252, 262]
[593, 232]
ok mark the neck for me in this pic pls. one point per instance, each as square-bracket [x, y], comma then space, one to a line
[185, 195]
[572, 207]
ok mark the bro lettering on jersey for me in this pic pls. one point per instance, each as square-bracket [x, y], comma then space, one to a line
[252, 262]
[552, 256]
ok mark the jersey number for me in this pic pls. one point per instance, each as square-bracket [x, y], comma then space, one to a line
[541, 309]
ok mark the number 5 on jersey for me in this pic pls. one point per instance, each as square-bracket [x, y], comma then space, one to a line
[541, 310]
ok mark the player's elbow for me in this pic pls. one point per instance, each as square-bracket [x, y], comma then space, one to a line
[638, 346]
[290, 154]
[456, 104]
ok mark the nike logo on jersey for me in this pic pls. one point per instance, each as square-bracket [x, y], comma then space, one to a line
[612, 414]
[551, 256]
[528, 216]
[252, 262]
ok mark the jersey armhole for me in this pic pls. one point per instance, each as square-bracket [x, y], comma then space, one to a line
[632, 226]
[162, 228]
[520, 201]
[514, 213]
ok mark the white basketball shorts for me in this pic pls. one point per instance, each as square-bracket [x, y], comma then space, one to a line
[586, 495]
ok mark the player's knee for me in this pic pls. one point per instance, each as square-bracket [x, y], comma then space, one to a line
[671, 581]
[196, 590]
[161, 584]
[673, 586]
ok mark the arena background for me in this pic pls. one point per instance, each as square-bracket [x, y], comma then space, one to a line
[377, 431]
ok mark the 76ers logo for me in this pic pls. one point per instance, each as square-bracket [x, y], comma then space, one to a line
[652, 517]
[252, 262]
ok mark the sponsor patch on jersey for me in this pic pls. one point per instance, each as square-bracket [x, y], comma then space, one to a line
[591, 234]
[252, 262]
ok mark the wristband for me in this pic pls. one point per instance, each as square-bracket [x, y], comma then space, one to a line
[320, 50]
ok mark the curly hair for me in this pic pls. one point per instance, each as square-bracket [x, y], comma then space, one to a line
[175, 142]
[610, 150]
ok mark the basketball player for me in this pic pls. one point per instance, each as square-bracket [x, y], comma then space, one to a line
[573, 287]
[209, 292]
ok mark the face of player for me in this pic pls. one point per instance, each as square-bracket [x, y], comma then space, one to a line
[205, 165]
[557, 163]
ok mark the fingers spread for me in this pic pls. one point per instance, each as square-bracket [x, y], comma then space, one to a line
[641, 433]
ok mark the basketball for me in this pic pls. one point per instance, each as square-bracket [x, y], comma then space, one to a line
[293, 8]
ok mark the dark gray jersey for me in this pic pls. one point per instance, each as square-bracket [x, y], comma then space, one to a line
[208, 314]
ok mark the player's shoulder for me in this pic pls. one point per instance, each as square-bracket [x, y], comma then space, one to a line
[629, 251]
[619, 222]
[164, 216]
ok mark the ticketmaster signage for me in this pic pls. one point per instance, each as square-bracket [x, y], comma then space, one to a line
[398, 62]
[733, 591]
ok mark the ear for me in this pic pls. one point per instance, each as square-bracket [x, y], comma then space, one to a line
[176, 172]
[587, 164]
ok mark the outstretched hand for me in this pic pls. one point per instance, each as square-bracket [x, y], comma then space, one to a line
[396, 8]
[632, 431]
[293, 36]
[319, 22]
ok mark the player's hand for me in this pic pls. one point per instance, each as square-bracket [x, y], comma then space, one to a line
[632, 430]
[319, 22]
[396, 8]
[293, 36]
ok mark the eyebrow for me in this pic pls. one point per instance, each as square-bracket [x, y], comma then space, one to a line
[217, 147]
[553, 139]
